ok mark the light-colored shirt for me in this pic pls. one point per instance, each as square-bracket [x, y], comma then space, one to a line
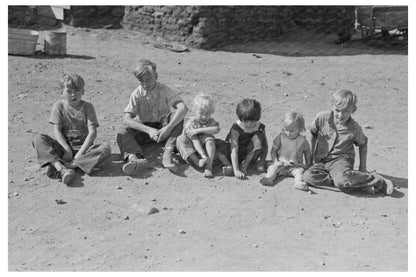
[334, 140]
[153, 105]
[74, 121]
[291, 150]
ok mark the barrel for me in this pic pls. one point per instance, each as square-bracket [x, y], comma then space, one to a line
[55, 42]
[22, 41]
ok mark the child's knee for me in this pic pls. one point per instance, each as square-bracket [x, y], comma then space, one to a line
[298, 172]
[123, 129]
[183, 142]
[36, 140]
[39, 139]
[308, 176]
[180, 140]
[210, 143]
[106, 149]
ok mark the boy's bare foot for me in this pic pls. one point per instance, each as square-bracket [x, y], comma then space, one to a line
[266, 181]
[208, 173]
[167, 161]
[300, 185]
[240, 175]
[67, 175]
[227, 170]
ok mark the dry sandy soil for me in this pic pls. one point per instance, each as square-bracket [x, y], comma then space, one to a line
[220, 224]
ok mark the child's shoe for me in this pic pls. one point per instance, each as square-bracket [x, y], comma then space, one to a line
[266, 181]
[67, 175]
[134, 164]
[167, 160]
[52, 173]
[227, 170]
[301, 185]
[370, 190]
[386, 186]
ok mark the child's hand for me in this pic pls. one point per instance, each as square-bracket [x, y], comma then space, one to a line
[163, 134]
[239, 174]
[154, 134]
[67, 157]
[70, 165]
[261, 167]
[193, 132]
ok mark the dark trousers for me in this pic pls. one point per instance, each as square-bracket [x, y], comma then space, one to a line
[49, 150]
[339, 172]
[130, 141]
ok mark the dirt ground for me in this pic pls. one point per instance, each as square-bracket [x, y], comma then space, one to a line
[220, 224]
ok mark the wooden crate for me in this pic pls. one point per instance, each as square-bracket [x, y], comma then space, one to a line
[22, 41]
[56, 12]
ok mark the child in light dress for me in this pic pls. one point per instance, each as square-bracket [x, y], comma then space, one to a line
[197, 143]
[289, 151]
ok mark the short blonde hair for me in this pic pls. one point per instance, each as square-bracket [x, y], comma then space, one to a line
[203, 102]
[143, 67]
[343, 98]
[72, 81]
[292, 117]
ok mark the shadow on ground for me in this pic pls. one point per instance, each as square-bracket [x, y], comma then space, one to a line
[112, 166]
[303, 43]
[42, 56]
[398, 184]
[78, 181]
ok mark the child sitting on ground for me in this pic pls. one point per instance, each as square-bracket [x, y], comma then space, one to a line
[198, 134]
[334, 134]
[288, 151]
[246, 139]
[75, 128]
[148, 118]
